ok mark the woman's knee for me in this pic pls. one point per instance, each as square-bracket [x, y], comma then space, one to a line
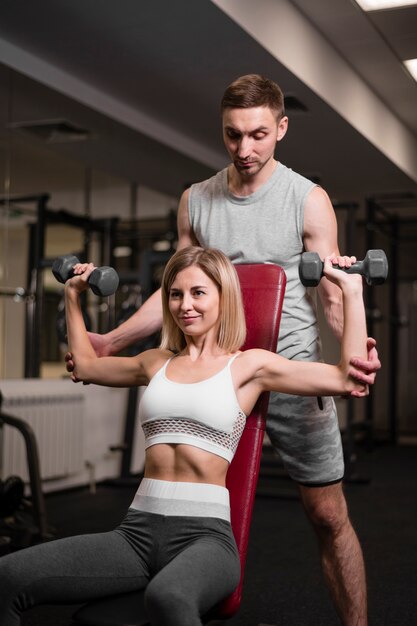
[170, 606]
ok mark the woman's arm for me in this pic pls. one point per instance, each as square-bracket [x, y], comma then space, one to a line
[304, 378]
[111, 371]
[148, 318]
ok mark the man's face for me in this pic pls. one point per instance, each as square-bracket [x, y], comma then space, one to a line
[250, 137]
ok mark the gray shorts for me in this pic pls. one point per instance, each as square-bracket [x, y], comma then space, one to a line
[305, 432]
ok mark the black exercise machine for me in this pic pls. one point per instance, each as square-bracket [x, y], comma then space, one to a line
[21, 532]
[105, 228]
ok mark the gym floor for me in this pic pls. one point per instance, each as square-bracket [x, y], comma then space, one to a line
[283, 583]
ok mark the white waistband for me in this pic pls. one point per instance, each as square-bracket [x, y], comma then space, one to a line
[179, 498]
[200, 492]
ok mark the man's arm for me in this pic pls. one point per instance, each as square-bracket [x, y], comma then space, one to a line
[143, 323]
[320, 235]
[186, 236]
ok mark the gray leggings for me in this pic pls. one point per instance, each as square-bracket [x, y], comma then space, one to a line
[187, 565]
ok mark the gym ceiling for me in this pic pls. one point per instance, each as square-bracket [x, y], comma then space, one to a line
[144, 81]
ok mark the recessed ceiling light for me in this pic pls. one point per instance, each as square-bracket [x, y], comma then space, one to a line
[411, 65]
[377, 5]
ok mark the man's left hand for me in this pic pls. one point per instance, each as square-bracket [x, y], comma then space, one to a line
[365, 370]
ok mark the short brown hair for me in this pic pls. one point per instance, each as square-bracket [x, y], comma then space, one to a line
[218, 267]
[253, 90]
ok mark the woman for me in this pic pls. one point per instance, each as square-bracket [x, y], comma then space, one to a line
[176, 538]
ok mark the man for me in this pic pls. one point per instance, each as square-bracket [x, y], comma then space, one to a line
[256, 210]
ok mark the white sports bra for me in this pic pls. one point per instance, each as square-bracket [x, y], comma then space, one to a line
[205, 414]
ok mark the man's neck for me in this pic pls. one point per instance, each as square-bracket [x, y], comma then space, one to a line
[240, 185]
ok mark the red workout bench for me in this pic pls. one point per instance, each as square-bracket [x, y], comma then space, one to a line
[263, 288]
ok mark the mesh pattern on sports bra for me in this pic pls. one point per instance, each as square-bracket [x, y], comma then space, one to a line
[228, 441]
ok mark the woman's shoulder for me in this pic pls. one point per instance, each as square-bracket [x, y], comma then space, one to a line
[253, 354]
[154, 359]
[257, 359]
[252, 360]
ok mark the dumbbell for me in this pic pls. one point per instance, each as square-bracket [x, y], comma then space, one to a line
[102, 280]
[374, 268]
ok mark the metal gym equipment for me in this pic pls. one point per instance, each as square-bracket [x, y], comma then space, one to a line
[350, 448]
[37, 263]
[374, 267]
[25, 534]
[379, 220]
[103, 281]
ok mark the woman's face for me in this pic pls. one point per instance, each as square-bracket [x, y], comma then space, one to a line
[194, 302]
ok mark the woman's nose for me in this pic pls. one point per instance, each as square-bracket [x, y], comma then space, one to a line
[186, 302]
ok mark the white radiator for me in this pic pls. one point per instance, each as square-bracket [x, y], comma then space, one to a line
[55, 411]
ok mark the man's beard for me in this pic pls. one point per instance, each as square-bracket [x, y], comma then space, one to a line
[255, 167]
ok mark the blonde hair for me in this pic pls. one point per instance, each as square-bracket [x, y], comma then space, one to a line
[217, 266]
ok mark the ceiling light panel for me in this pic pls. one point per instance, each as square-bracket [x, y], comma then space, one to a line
[378, 5]
[411, 65]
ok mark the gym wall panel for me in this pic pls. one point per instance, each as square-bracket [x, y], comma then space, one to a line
[56, 415]
[75, 425]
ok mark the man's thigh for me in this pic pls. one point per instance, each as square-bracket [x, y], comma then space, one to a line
[305, 432]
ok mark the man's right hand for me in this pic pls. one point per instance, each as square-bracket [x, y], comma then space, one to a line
[101, 347]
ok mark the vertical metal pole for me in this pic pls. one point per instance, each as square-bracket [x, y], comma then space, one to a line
[107, 230]
[112, 229]
[87, 191]
[134, 257]
[393, 332]
[370, 305]
[30, 303]
[35, 288]
[87, 211]
[129, 432]
[39, 255]
[350, 239]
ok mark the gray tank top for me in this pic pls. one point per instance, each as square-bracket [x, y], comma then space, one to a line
[265, 227]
